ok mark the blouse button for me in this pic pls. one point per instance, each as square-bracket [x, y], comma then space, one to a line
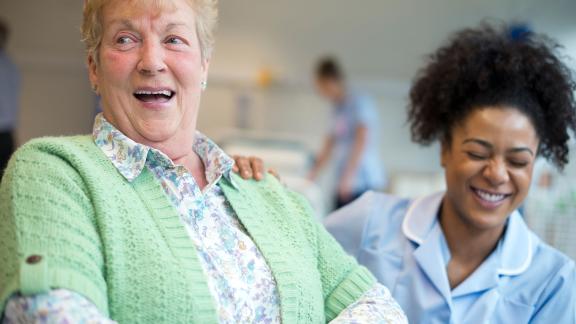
[33, 259]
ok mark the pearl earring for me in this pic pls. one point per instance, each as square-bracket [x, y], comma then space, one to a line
[203, 85]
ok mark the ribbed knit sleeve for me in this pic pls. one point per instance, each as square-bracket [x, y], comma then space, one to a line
[48, 236]
[344, 281]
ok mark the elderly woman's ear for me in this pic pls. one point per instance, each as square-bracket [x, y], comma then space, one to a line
[251, 168]
[92, 75]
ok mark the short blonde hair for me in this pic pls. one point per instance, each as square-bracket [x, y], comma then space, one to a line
[206, 17]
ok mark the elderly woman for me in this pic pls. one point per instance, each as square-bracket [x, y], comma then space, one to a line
[465, 255]
[143, 222]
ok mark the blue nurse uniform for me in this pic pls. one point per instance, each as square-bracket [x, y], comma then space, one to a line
[401, 242]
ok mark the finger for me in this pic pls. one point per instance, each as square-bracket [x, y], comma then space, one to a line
[244, 168]
[274, 173]
[257, 167]
[235, 165]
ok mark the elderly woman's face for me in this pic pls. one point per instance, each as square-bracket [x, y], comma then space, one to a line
[150, 70]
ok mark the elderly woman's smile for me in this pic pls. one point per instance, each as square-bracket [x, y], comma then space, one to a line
[152, 95]
[149, 69]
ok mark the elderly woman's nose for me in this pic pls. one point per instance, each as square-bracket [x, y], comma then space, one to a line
[151, 58]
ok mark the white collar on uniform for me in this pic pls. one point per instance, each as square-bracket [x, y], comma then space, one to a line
[517, 247]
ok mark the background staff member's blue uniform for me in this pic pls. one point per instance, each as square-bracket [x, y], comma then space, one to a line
[358, 110]
[353, 139]
[523, 280]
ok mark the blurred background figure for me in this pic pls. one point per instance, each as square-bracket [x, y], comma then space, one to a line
[352, 141]
[9, 99]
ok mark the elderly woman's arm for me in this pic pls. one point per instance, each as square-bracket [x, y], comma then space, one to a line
[343, 303]
[56, 306]
[36, 246]
[375, 306]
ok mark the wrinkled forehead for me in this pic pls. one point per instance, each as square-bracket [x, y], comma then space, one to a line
[137, 8]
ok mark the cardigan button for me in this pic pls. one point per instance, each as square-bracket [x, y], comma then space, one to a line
[33, 259]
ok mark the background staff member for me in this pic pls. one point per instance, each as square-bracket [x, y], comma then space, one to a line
[353, 139]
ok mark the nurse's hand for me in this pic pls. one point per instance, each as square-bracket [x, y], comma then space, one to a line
[345, 188]
[251, 168]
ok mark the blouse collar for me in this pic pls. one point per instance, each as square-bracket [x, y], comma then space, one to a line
[130, 157]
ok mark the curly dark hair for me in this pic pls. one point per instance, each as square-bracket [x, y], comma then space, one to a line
[487, 66]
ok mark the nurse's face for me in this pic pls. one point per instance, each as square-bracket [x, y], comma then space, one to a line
[488, 166]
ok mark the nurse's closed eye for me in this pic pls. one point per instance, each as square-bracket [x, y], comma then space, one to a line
[518, 164]
[476, 156]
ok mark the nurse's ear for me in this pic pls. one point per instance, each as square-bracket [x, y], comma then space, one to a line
[445, 152]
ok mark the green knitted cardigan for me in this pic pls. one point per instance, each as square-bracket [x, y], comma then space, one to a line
[68, 219]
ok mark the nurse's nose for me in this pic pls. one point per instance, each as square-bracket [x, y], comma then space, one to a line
[151, 59]
[496, 172]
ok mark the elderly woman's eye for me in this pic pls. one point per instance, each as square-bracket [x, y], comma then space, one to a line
[174, 40]
[124, 40]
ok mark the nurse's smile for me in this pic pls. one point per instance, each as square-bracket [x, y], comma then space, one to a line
[489, 199]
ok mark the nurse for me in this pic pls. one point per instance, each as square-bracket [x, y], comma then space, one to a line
[465, 255]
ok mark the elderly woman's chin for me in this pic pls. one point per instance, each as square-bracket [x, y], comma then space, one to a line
[152, 133]
[148, 127]
[162, 130]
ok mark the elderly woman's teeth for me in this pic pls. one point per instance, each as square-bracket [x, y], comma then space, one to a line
[145, 95]
[162, 92]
